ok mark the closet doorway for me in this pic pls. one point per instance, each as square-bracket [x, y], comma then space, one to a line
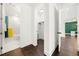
[40, 33]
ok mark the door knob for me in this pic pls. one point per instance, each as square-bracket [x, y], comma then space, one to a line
[59, 33]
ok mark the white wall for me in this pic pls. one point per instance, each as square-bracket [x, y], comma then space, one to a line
[40, 10]
[33, 27]
[53, 27]
[56, 26]
[46, 32]
[40, 15]
[50, 30]
[25, 13]
[27, 25]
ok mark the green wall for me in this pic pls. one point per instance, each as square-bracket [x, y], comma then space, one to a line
[70, 26]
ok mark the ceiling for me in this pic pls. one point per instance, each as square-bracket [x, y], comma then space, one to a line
[65, 5]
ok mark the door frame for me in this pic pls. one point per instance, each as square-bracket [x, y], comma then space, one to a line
[62, 25]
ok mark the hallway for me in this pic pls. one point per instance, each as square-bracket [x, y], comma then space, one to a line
[28, 51]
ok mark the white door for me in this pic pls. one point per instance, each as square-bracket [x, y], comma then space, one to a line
[0, 29]
[67, 46]
[13, 40]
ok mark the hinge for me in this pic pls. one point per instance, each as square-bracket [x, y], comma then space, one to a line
[1, 47]
[1, 3]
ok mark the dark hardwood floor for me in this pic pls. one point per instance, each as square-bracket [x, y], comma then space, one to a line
[68, 47]
[28, 51]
